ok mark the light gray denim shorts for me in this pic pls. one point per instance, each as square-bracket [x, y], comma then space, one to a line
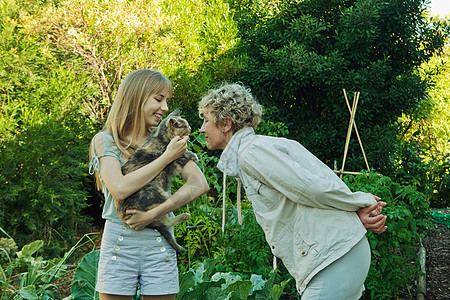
[129, 257]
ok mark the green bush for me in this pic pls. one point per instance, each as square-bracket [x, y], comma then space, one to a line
[45, 132]
[27, 276]
[302, 54]
[43, 196]
[395, 267]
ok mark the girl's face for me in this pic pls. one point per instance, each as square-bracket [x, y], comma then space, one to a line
[154, 108]
[215, 138]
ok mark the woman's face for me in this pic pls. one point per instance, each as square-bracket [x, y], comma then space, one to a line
[154, 108]
[215, 138]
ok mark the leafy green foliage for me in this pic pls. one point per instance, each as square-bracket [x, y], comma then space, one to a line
[302, 54]
[39, 193]
[422, 158]
[201, 283]
[394, 256]
[28, 276]
[44, 137]
[8, 249]
[192, 42]
[85, 277]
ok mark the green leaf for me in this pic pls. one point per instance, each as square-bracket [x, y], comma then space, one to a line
[258, 283]
[29, 292]
[186, 282]
[241, 289]
[85, 277]
[30, 249]
[215, 293]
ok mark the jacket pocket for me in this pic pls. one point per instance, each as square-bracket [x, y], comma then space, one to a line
[303, 248]
[308, 228]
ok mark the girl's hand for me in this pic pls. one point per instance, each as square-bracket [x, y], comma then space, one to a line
[176, 148]
[139, 219]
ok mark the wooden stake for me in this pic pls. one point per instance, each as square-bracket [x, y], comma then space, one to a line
[349, 131]
[356, 131]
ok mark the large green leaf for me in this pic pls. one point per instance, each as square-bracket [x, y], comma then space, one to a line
[186, 282]
[215, 293]
[83, 286]
[240, 289]
[258, 283]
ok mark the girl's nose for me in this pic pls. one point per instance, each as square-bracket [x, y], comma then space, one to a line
[164, 106]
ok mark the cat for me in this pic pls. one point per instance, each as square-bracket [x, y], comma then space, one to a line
[156, 192]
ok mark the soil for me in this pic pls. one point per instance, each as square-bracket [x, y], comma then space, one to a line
[437, 247]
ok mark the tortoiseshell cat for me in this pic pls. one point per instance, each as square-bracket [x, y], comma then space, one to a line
[156, 192]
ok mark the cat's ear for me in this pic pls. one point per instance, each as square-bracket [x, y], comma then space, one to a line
[176, 112]
[172, 122]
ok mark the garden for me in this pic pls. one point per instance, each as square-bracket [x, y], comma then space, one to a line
[62, 62]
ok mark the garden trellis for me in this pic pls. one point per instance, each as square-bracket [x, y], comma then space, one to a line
[351, 125]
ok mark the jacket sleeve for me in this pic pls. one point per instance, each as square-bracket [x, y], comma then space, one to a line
[274, 167]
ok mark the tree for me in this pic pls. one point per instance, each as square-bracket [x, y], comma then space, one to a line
[61, 64]
[43, 133]
[191, 42]
[302, 54]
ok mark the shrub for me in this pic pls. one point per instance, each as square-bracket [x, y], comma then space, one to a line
[28, 276]
[395, 267]
[43, 196]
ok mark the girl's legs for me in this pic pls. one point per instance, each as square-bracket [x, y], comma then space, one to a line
[117, 297]
[114, 297]
[162, 297]
[344, 278]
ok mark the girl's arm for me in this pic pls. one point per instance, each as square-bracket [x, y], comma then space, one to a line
[195, 186]
[122, 186]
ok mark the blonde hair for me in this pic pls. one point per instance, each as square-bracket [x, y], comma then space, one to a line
[232, 101]
[127, 115]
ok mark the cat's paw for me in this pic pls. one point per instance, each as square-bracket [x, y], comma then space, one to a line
[185, 216]
[191, 155]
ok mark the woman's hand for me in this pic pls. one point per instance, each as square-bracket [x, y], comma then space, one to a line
[176, 148]
[139, 219]
[372, 218]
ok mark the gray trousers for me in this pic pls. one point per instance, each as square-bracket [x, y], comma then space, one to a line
[344, 278]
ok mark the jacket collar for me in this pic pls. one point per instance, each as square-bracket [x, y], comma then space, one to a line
[229, 160]
[229, 165]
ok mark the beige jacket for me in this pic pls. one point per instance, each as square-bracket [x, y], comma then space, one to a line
[307, 213]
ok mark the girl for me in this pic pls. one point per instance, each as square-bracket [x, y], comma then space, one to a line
[130, 253]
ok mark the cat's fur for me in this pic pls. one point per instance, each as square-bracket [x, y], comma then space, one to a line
[156, 192]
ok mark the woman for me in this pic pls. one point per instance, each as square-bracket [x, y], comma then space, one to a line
[129, 257]
[310, 218]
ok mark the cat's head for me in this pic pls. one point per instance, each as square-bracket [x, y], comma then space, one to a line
[177, 125]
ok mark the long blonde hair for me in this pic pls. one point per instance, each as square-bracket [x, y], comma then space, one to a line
[127, 115]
